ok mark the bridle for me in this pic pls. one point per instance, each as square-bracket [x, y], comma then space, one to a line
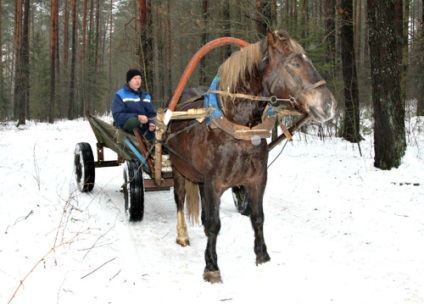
[274, 100]
[302, 88]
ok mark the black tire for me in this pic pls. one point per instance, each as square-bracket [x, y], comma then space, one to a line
[133, 189]
[84, 167]
[239, 197]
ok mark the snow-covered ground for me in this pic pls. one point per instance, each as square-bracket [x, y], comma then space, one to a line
[338, 230]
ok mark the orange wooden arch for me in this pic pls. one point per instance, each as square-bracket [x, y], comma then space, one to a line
[192, 64]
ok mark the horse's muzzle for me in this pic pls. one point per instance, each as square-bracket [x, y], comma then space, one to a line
[323, 112]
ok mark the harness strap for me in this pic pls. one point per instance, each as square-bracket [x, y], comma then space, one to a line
[263, 130]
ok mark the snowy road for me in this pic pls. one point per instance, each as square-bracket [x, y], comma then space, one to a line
[337, 230]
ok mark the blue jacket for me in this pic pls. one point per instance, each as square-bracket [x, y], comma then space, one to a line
[128, 103]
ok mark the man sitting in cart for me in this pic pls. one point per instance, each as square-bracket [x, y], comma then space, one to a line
[132, 107]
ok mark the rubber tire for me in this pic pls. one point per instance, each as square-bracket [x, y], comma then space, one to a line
[133, 189]
[84, 167]
[239, 197]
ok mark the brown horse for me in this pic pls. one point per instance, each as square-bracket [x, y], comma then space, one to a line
[216, 160]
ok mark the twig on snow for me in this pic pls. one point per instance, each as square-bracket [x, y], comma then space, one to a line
[98, 268]
[42, 260]
[115, 275]
[88, 251]
[19, 219]
[37, 170]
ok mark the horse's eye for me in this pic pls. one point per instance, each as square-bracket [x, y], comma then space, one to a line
[295, 64]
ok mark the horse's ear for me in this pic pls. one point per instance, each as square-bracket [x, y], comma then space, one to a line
[279, 40]
[271, 39]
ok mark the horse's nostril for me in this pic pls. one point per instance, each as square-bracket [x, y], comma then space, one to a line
[329, 106]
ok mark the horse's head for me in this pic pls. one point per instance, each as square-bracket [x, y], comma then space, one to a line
[289, 74]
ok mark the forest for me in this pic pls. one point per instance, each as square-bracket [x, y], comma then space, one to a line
[62, 58]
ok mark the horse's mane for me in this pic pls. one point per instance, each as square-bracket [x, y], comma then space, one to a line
[243, 62]
[239, 65]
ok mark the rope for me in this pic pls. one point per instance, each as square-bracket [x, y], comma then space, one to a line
[278, 155]
[271, 99]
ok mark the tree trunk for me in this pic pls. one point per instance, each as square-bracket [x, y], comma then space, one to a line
[420, 76]
[226, 13]
[169, 47]
[351, 94]
[305, 19]
[53, 56]
[389, 110]
[64, 81]
[160, 78]
[84, 30]
[358, 30]
[294, 13]
[71, 104]
[3, 100]
[65, 35]
[330, 33]
[402, 37]
[19, 99]
[146, 44]
[204, 39]
[110, 51]
[25, 57]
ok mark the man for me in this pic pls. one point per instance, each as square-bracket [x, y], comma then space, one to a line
[132, 107]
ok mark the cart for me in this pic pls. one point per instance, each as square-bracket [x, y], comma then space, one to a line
[146, 167]
[133, 152]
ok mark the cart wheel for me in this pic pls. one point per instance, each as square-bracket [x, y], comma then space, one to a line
[133, 189]
[239, 197]
[84, 167]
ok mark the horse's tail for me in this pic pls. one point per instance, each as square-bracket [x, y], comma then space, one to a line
[193, 201]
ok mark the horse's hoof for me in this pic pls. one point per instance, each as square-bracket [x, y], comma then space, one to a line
[212, 276]
[183, 242]
[262, 259]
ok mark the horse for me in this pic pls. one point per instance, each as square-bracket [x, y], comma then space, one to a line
[212, 157]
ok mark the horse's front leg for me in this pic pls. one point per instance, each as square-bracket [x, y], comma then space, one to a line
[254, 196]
[212, 225]
[179, 195]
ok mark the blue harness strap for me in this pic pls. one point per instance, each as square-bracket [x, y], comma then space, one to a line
[211, 100]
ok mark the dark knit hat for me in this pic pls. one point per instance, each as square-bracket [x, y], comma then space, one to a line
[131, 73]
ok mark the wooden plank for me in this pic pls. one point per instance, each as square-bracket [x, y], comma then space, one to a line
[150, 185]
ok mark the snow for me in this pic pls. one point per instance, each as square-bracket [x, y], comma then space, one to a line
[338, 230]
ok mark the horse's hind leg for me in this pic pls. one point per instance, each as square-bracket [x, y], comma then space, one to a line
[179, 195]
[255, 197]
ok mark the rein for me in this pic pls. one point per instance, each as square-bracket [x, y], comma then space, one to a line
[171, 135]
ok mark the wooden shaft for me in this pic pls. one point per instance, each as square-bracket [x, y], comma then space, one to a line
[296, 125]
[158, 156]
